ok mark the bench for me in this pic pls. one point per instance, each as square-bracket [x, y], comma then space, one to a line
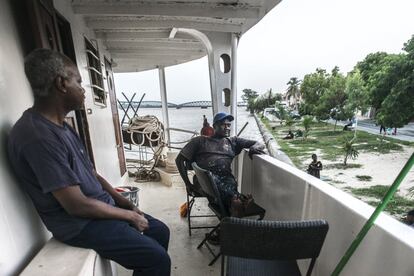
[56, 258]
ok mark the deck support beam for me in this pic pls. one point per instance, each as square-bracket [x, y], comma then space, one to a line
[219, 47]
[176, 9]
[233, 93]
[164, 103]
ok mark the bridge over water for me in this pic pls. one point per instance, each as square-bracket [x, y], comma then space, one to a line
[202, 104]
[157, 104]
[146, 104]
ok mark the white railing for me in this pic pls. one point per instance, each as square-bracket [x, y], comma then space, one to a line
[290, 194]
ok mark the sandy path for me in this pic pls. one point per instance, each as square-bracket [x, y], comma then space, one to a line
[383, 168]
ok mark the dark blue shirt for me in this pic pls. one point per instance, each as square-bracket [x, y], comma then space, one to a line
[47, 157]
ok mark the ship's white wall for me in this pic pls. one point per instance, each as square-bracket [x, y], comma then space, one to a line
[21, 231]
[290, 194]
[101, 126]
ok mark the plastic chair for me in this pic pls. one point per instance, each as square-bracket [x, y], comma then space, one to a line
[260, 248]
[205, 178]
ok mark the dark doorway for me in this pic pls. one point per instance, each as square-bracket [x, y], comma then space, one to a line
[115, 116]
[79, 118]
[52, 31]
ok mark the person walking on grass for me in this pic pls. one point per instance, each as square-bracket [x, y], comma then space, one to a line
[382, 128]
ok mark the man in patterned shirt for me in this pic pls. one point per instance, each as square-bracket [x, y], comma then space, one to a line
[216, 154]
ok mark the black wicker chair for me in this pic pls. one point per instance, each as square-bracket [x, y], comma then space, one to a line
[260, 248]
[209, 188]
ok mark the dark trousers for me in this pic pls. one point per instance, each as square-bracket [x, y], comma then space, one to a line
[116, 240]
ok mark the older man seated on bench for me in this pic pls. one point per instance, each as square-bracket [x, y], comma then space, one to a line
[75, 203]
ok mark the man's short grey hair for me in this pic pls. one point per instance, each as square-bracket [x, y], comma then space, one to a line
[42, 67]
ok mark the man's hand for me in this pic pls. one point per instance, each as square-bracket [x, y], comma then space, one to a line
[139, 221]
[77, 204]
[138, 211]
[255, 149]
[120, 201]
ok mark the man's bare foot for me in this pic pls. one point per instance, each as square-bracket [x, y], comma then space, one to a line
[236, 207]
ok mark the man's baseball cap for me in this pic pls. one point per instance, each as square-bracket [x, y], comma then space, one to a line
[221, 116]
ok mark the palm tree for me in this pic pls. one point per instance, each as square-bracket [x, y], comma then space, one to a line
[349, 150]
[307, 121]
[293, 91]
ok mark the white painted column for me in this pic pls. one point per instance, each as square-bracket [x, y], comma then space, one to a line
[216, 44]
[164, 102]
[215, 97]
[233, 95]
[202, 37]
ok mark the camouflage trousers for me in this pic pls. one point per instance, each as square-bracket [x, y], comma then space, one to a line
[227, 187]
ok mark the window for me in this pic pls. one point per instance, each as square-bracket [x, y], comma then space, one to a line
[95, 73]
[226, 97]
[225, 63]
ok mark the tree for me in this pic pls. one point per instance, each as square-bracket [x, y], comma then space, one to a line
[335, 71]
[289, 122]
[349, 150]
[265, 100]
[324, 95]
[248, 94]
[333, 102]
[307, 121]
[269, 98]
[397, 109]
[337, 97]
[281, 111]
[313, 87]
[370, 65]
[380, 71]
[356, 92]
[248, 97]
[293, 91]
[278, 97]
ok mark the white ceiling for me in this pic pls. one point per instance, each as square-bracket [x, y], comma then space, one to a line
[137, 32]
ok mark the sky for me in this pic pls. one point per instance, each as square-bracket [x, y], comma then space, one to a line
[292, 40]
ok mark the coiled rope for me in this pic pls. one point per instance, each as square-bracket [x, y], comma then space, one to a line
[149, 132]
[150, 129]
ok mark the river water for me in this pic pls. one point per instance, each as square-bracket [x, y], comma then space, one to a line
[192, 119]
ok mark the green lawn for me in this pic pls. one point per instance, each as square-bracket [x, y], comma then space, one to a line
[398, 205]
[327, 143]
[322, 138]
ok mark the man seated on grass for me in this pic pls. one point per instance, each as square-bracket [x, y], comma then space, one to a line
[289, 136]
[216, 154]
[75, 203]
